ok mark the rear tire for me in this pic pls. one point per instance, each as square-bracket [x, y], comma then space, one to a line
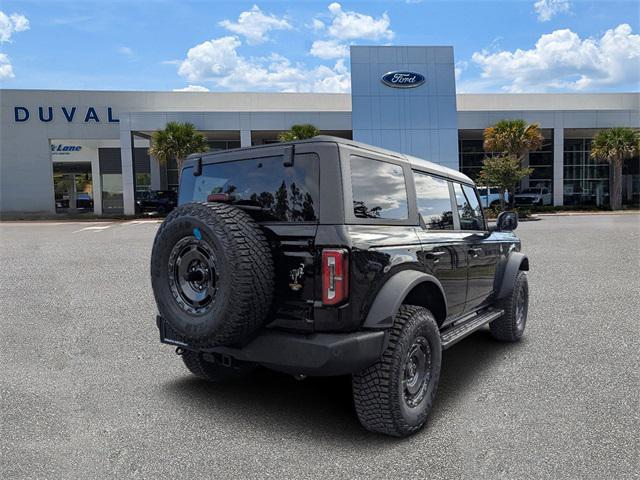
[395, 395]
[215, 371]
[510, 327]
[212, 274]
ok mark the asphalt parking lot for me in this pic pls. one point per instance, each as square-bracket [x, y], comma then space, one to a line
[87, 391]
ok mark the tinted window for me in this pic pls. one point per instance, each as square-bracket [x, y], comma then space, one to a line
[434, 201]
[287, 194]
[469, 209]
[378, 189]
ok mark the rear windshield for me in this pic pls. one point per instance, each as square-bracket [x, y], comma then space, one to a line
[264, 185]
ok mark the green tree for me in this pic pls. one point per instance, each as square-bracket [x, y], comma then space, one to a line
[514, 138]
[504, 172]
[177, 141]
[299, 132]
[615, 146]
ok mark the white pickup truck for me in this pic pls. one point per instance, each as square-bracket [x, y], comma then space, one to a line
[533, 196]
[490, 196]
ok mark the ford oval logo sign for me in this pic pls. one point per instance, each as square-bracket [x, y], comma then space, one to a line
[403, 79]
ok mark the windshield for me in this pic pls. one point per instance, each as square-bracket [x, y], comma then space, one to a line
[534, 191]
[263, 185]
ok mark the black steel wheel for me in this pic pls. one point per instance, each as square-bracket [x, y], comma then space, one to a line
[417, 372]
[394, 395]
[510, 327]
[192, 274]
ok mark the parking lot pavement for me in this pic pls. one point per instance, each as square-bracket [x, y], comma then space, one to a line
[88, 392]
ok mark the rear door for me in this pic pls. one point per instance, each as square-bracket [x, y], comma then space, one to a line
[483, 251]
[284, 198]
[443, 249]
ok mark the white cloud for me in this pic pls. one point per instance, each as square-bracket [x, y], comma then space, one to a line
[10, 24]
[6, 70]
[562, 60]
[547, 9]
[192, 88]
[128, 51]
[254, 25]
[213, 58]
[347, 25]
[327, 49]
[317, 25]
[217, 61]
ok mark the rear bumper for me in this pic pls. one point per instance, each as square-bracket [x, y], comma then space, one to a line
[319, 354]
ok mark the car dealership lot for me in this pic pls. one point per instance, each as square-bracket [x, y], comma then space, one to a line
[87, 391]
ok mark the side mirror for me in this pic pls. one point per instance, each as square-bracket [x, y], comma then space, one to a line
[507, 222]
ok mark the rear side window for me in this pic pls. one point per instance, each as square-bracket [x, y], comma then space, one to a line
[379, 189]
[469, 209]
[434, 201]
[273, 192]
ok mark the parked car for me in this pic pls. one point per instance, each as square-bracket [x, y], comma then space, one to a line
[490, 196]
[332, 257]
[533, 196]
[156, 201]
[84, 201]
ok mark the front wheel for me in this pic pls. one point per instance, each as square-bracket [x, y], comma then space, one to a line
[510, 327]
[394, 395]
[213, 370]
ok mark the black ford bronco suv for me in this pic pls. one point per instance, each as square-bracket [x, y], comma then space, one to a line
[331, 257]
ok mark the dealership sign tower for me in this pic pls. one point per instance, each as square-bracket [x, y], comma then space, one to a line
[404, 99]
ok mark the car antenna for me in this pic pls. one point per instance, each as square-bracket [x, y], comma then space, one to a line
[197, 171]
[288, 156]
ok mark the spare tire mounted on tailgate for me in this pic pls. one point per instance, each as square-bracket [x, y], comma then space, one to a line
[212, 273]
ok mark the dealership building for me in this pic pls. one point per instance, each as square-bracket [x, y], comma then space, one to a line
[74, 151]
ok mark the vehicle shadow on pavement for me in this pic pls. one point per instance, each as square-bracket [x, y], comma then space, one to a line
[322, 407]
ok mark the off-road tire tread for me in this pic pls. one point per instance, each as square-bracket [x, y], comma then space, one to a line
[250, 262]
[504, 328]
[213, 372]
[375, 399]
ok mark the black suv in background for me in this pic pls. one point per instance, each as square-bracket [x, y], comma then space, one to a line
[331, 257]
[156, 201]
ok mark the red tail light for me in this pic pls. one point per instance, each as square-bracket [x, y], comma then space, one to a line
[219, 197]
[335, 276]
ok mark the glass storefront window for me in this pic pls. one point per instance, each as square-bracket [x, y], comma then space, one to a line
[73, 187]
[143, 182]
[112, 200]
[586, 181]
[472, 155]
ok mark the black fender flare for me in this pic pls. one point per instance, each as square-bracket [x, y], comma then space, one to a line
[391, 295]
[516, 261]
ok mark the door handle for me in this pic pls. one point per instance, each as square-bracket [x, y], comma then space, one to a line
[475, 252]
[433, 255]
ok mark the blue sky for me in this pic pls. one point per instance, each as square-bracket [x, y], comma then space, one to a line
[500, 46]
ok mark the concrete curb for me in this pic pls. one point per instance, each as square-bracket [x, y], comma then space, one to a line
[570, 214]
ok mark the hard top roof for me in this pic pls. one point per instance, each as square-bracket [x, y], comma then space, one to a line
[416, 162]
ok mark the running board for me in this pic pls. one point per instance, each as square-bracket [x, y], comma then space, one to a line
[466, 327]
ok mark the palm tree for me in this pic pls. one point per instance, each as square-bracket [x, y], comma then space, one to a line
[615, 146]
[514, 138]
[177, 141]
[299, 132]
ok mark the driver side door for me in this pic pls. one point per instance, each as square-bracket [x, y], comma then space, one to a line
[483, 250]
